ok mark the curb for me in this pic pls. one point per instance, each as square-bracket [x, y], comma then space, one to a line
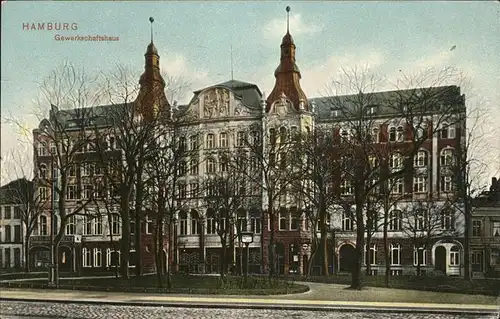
[261, 306]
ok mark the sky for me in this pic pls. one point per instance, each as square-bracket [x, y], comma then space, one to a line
[194, 41]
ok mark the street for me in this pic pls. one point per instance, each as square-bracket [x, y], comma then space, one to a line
[14, 309]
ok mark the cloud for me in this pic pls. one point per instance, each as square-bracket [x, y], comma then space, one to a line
[184, 76]
[277, 27]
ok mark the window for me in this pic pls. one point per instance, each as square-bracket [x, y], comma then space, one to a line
[98, 225]
[347, 224]
[222, 165]
[70, 225]
[132, 227]
[420, 219]
[210, 165]
[110, 142]
[210, 141]
[447, 156]
[195, 223]
[115, 224]
[223, 140]
[346, 188]
[420, 184]
[183, 225]
[447, 131]
[182, 189]
[193, 190]
[97, 257]
[43, 226]
[476, 258]
[113, 257]
[8, 212]
[420, 160]
[375, 135]
[454, 256]
[42, 193]
[86, 256]
[400, 134]
[344, 136]
[255, 138]
[87, 191]
[254, 164]
[395, 219]
[395, 254]
[272, 137]
[446, 184]
[149, 225]
[392, 134]
[283, 221]
[396, 160]
[193, 167]
[496, 229]
[182, 144]
[193, 142]
[283, 135]
[240, 139]
[8, 234]
[255, 225]
[71, 192]
[419, 256]
[371, 255]
[42, 149]
[396, 186]
[17, 212]
[86, 169]
[294, 219]
[211, 226]
[476, 228]
[447, 220]
[87, 225]
[43, 171]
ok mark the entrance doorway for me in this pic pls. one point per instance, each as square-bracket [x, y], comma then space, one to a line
[347, 258]
[440, 259]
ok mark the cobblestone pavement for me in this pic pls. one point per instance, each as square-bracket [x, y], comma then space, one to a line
[11, 309]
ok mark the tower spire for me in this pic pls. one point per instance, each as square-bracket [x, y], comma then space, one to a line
[232, 77]
[151, 19]
[287, 19]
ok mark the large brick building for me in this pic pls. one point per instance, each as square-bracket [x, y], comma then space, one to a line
[222, 114]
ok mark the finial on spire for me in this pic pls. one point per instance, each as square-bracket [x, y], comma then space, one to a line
[151, 19]
[287, 19]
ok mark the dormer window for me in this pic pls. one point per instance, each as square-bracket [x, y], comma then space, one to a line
[371, 109]
[334, 112]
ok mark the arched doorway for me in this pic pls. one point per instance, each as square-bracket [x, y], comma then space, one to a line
[440, 259]
[39, 257]
[280, 258]
[347, 258]
[65, 259]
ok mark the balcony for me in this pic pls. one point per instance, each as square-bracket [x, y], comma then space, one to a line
[67, 239]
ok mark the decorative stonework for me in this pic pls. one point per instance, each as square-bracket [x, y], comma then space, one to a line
[216, 103]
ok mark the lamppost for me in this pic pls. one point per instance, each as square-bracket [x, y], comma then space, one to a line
[52, 268]
[246, 238]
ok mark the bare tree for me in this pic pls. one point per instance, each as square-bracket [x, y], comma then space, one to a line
[410, 111]
[312, 178]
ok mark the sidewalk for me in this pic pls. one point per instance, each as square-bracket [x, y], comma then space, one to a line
[307, 301]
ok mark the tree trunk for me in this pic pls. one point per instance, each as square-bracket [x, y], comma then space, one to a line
[271, 248]
[222, 258]
[387, 256]
[125, 239]
[357, 280]
[467, 226]
[137, 241]
[324, 244]
[26, 252]
[367, 253]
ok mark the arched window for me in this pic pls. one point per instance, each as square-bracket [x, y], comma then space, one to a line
[419, 256]
[400, 134]
[195, 223]
[447, 157]
[42, 226]
[283, 135]
[420, 159]
[210, 165]
[43, 171]
[392, 134]
[193, 167]
[210, 143]
[42, 149]
[375, 135]
[272, 136]
[223, 141]
[193, 142]
[211, 222]
[86, 257]
[371, 255]
[447, 131]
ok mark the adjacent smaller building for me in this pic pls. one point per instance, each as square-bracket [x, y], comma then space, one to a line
[485, 233]
[12, 228]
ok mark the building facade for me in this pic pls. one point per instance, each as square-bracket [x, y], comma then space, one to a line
[224, 115]
[485, 233]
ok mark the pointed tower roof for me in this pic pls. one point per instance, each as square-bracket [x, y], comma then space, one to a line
[287, 75]
[151, 98]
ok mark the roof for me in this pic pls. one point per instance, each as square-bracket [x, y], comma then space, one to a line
[249, 93]
[387, 102]
[17, 192]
